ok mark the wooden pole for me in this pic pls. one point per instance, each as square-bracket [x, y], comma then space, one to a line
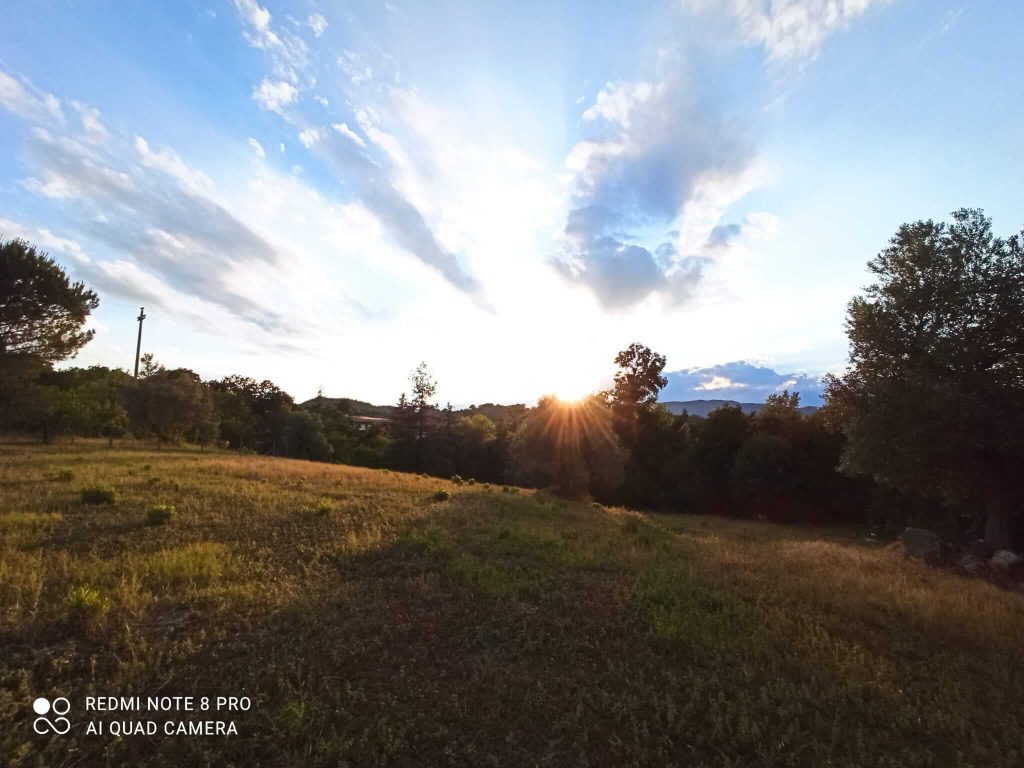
[138, 345]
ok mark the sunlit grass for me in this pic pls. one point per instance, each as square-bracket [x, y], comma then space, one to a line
[376, 623]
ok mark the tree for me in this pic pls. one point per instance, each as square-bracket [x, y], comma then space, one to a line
[303, 437]
[933, 401]
[570, 447]
[717, 441]
[413, 420]
[41, 311]
[252, 414]
[475, 440]
[638, 381]
[171, 404]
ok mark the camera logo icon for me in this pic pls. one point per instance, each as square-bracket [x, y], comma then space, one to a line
[60, 724]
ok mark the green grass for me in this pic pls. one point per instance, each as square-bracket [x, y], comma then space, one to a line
[373, 624]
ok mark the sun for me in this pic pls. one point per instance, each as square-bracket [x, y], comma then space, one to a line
[574, 391]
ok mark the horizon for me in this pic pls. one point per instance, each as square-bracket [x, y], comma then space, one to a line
[323, 197]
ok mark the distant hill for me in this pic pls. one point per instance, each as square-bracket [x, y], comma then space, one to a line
[500, 413]
[703, 407]
[355, 407]
[496, 413]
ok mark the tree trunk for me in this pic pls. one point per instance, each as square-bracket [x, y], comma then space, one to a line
[999, 520]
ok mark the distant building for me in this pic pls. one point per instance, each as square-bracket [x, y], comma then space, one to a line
[363, 423]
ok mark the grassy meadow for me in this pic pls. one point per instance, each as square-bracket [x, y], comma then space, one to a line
[375, 621]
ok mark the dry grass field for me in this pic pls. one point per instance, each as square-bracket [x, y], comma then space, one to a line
[374, 622]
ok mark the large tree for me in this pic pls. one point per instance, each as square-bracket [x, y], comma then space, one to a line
[170, 404]
[638, 381]
[569, 447]
[41, 311]
[933, 401]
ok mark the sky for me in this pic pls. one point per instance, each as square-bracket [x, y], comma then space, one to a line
[324, 194]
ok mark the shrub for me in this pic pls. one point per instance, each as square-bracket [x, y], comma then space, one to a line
[86, 604]
[321, 508]
[99, 494]
[457, 479]
[471, 481]
[195, 565]
[64, 476]
[160, 514]
[441, 495]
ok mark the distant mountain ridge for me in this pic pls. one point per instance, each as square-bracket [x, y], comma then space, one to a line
[703, 407]
[498, 413]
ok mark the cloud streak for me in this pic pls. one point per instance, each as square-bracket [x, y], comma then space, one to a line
[148, 205]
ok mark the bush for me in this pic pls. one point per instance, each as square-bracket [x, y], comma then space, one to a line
[64, 476]
[457, 479]
[86, 604]
[160, 514]
[321, 508]
[441, 495]
[99, 494]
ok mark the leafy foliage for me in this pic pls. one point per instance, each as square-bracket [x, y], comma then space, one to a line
[933, 402]
[42, 312]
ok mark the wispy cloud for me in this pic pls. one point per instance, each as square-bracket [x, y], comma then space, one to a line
[372, 164]
[791, 32]
[257, 148]
[148, 204]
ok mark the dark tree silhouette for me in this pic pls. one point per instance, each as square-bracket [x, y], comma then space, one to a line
[41, 311]
[638, 381]
[934, 398]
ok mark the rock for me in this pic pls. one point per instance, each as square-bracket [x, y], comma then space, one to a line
[979, 549]
[1004, 559]
[922, 544]
[970, 564]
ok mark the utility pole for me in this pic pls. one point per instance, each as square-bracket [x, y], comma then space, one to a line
[138, 345]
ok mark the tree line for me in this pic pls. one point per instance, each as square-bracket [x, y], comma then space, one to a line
[925, 424]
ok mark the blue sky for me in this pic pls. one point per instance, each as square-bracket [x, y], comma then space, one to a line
[324, 194]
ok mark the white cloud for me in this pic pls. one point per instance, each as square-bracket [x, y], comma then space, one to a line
[169, 162]
[791, 31]
[344, 130]
[53, 186]
[309, 137]
[651, 151]
[317, 23]
[91, 123]
[353, 65]
[28, 102]
[274, 96]
[43, 237]
[257, 147]
[720, 382]
[289, 53]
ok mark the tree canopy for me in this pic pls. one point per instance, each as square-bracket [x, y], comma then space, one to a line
[933, 401]
[42, 312]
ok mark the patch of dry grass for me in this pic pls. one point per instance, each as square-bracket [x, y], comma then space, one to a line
[374, 623]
